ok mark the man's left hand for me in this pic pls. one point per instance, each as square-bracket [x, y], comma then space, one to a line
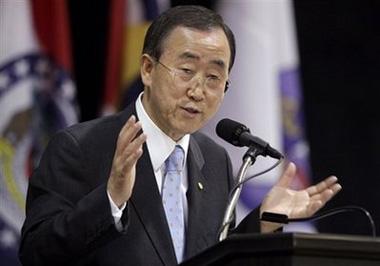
[296, 204]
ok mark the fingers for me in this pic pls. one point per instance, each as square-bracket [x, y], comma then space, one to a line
[318, 200]
[327, 194]
[132, 152]
[323, 185]
[127, 134]
[288, 175]
[123, 170]
[128, 147]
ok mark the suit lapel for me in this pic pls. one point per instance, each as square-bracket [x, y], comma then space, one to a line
[146, 201]
[197, 221]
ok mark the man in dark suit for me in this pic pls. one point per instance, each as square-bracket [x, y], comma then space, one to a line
[96, 197]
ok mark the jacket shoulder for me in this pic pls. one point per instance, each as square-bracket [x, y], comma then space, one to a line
[206, 142]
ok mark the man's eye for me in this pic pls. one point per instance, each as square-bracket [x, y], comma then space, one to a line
[213, 77]
[186, 70]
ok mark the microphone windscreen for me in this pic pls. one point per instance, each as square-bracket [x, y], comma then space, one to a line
[239, 135]
[230, 131]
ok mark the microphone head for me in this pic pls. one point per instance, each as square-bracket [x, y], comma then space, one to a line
[230, 131]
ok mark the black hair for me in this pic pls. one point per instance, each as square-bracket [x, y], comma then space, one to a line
[196, 17]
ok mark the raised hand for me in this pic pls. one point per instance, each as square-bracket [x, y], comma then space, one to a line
[297, 204]
[123, 171]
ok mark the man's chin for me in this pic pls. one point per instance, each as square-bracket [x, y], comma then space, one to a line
[188, 129]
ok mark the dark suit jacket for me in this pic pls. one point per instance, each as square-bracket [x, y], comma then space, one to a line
[69, 220]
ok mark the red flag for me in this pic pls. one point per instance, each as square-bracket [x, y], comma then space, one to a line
[114, 56]
[52, 28]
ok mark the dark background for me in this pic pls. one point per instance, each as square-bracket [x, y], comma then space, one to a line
[339, 43]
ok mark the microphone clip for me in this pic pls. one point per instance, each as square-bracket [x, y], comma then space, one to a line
[253, 152]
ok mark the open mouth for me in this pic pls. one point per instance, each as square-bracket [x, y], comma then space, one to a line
[191, 110]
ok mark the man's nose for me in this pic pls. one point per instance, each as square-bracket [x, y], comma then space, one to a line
[196, 88]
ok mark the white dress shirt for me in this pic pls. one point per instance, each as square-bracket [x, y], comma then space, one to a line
[160, 146]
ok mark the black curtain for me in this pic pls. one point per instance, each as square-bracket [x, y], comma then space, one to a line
[339, 44]
[89, 30]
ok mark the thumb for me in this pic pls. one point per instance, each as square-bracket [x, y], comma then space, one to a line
[287, 176]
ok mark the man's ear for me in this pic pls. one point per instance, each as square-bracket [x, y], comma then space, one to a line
[146, 69]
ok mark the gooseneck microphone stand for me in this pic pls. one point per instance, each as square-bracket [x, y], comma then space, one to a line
[249, 159]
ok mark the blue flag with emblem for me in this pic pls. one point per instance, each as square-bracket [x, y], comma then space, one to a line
[37, 97]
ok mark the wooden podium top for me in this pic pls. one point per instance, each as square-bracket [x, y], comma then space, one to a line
[291, 249]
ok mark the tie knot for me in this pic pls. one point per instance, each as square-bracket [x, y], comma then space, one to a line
[175, 160]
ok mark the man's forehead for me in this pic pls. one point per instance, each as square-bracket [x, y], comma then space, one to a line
[179, 33]
[182, 30]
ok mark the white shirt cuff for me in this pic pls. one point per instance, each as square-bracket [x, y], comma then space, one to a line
[116, 212]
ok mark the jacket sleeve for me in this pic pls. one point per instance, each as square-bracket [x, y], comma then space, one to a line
[67, 214]
[250, 224]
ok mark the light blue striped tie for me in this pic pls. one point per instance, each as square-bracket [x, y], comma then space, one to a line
[172, 200]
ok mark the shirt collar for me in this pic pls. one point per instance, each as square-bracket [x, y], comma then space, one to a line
[160, 145]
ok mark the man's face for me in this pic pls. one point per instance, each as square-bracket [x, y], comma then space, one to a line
[186, 87]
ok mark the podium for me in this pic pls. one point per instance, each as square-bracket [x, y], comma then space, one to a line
[291, 249]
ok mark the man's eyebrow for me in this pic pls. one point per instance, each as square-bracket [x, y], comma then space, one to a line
[189, 55]
[219, 63]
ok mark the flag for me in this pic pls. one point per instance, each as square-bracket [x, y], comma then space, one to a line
[37, 97]
[265, 92]
[129, 21]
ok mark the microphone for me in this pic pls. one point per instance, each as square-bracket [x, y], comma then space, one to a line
[239, 135]
[284, 219]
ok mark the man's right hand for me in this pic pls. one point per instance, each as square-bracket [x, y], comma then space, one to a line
[123, 172]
